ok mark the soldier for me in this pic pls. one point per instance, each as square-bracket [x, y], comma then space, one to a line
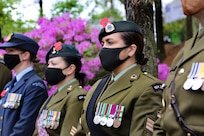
[183, 112]
[25, 93]
[60, 113]
[126, 102]
[5, 74]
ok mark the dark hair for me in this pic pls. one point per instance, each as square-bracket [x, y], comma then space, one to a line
[135, 38]
[33, 57]
[77, 62]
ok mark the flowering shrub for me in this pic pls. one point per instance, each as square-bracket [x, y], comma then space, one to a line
[163, 71]
[69, 31]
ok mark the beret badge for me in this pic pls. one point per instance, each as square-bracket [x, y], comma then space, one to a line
[57, 47]
[109, 27]
[9, 37]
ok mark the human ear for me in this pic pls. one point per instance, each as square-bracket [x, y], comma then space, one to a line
[132, 49]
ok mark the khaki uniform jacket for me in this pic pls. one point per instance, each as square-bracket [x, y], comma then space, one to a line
[5, 76]
[69, 102]
[138, 92]
[190, 102]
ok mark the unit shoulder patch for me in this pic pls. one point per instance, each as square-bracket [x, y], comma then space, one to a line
[81, 97]
[158, 86]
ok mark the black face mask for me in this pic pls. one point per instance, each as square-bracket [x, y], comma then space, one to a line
[110, 58]
[54, 75]
[11, 60]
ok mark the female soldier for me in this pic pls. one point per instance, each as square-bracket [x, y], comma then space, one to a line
[60, 114]
[126, 102]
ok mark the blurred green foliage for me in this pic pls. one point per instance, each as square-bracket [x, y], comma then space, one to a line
[74, 7]
[177, 31]
[8, 11]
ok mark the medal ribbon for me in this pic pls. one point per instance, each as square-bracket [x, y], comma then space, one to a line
[58, 117]
[194, 69]
[97, 109]
[109, 109]
[200, 73]
[113, 110]
[103, 109]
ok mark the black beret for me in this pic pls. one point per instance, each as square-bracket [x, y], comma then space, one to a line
[119, 26]
[62, 50]
[20, 41]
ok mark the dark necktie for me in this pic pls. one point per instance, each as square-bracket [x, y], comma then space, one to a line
[13, 81]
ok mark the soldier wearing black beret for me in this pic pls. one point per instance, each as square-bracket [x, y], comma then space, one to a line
[126, 102]
[60, 114]
[23, 96]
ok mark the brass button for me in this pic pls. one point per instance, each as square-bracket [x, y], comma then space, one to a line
[1, 117]
[181, 71]
[188, 134]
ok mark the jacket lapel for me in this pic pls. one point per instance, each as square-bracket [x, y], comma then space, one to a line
[121, 84]
[22, 81]
[60, 95]
[191, 50]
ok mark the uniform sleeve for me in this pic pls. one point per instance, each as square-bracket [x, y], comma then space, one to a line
[145, 112]
[157, 130]
[71, 119]
[80, 131]
[32, 100]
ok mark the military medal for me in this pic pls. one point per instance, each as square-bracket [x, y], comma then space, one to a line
[110, 122]
[116, 123]
[8, 102]
[57, 119]
[97, 117]
[49, 119]
[17, 100]
[103, 120]
[197, 84]
[44, 118]
[188, 84]
[198, 77]
[111, 115]
[119, 114]
[190, 81]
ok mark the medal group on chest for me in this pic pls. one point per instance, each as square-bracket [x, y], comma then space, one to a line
[12, 99]
[108, 115]
[49, 119]
[195, 79]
